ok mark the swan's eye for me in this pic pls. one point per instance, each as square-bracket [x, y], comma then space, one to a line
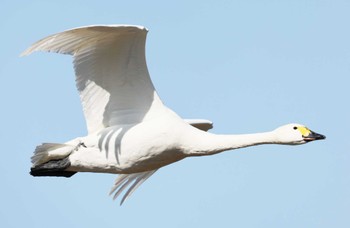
[295, 128]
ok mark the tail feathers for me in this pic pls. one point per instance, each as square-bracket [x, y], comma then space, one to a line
[50, 151]
[124, 180]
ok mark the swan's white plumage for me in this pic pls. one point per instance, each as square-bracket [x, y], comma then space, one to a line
[115, 90]
[131, 132]
[111, 72]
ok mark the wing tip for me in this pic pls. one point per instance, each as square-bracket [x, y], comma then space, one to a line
[201, 124]
[36, 46]
[130, 182]
[26, 52]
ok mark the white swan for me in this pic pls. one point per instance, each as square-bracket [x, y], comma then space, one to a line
[130, 131]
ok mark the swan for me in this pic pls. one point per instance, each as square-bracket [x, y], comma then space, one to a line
[130, 131]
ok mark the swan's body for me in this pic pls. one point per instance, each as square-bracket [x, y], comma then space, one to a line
[130, 131]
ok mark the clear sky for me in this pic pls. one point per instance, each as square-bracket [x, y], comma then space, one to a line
[248, 66]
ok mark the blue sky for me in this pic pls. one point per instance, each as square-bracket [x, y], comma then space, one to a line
[248, 66]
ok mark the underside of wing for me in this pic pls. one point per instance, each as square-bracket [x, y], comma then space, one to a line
[130, 182]
[111, 72]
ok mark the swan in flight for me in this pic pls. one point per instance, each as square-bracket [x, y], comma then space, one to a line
[130, 131]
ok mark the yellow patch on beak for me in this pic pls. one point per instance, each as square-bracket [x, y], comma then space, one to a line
[304, 131]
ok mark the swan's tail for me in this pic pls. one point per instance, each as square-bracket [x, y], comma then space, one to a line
[50, 151]
[125, 180]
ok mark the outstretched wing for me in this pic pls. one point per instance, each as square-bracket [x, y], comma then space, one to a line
[111, 72]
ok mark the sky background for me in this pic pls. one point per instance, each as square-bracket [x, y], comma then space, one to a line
[249, 66]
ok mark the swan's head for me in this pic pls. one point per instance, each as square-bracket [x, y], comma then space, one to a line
[294, 134]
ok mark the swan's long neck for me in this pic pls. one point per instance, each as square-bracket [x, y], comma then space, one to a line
[207, 144]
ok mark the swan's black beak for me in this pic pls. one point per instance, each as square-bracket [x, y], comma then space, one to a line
[313, 136]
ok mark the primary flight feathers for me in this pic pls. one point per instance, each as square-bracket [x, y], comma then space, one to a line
[111, 72]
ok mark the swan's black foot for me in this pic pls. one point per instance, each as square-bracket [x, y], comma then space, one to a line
[54, 168]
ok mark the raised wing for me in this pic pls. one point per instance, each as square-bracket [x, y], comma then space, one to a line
[111, 72]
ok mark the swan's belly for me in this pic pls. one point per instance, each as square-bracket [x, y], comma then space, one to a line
[128, 149]
[151, 161]
[92, 160]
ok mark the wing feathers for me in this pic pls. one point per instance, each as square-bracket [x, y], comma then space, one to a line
[111, 72]
[124, 180]
[201, 124]
[72, 41]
